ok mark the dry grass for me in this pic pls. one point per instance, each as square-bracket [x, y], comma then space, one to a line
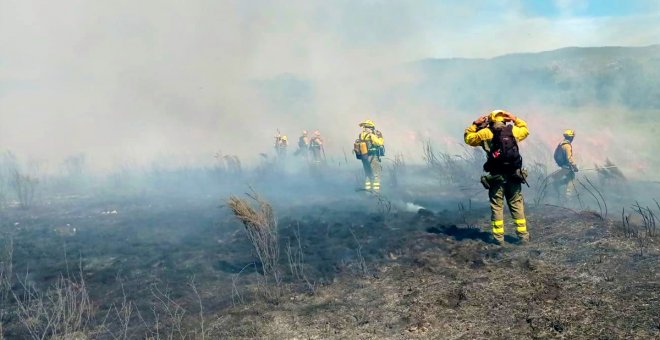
[460, 170]
[62, 312]
[261, 227]
[397, 169]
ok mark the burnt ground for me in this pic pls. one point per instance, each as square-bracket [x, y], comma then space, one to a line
[370, 271]
[425, 278]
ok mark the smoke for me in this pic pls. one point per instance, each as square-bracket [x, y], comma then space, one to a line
[409, 206]
[127, 81]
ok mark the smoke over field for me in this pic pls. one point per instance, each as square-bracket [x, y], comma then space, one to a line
[141, 195]
[124, 82]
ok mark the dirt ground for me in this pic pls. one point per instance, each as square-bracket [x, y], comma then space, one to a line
[374, 268]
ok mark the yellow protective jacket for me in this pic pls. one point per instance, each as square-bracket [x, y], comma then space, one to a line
[473, 137]
[375, 142]
[568, 152]
[376, 138]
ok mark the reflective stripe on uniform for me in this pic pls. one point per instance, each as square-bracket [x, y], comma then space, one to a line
[498, 226]
[521, 225]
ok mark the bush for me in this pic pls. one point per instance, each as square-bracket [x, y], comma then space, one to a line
[261, 227]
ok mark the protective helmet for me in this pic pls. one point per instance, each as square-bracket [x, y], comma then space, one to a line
[368, 123]
[497, 116]
[569, 133]
[284, 138]
[304, 132]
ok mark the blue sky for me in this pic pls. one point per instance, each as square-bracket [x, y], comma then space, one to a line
[587, 8]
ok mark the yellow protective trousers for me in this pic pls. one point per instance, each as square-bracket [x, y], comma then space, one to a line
[372, 170]
[564, 178]
[506, 187]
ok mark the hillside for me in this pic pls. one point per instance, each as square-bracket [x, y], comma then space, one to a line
[569, 77]
[627, 76]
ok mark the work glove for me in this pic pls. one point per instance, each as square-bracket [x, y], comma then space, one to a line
[481, 121]
[485, 181]
[574, 168]
[379, 134]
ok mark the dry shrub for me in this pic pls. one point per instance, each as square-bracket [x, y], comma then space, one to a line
[64, 311]
[461, 169]
[261, 227]
[610, 173]
[397, 169]
[25, 187]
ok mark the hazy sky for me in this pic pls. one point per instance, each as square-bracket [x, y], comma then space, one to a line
[157, 77]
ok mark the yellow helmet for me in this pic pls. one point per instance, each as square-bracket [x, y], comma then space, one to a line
[284, 137]
[368, 123]
[497, 116]
[569, 133]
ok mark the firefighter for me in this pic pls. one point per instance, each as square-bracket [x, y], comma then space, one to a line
[375, 144]
[303, 144]
[498, 134]
[565, 176]
[316, 148]
[281, 144]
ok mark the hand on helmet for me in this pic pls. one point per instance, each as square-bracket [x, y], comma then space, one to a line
[509, 117]
[481, 120]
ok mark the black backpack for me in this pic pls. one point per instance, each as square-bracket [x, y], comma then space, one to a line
[560, 155]
[504, 156]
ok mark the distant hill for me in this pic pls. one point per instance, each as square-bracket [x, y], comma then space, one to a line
[628, 76]
[569, 77]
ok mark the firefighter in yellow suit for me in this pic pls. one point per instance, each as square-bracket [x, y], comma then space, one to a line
[564, 159]
[502, 183]
[371, 163]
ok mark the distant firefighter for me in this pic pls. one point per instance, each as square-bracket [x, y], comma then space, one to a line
[499, 133]
[565, 177]
[281, 144]
[369, 147]
[303, 144]
[316, 148]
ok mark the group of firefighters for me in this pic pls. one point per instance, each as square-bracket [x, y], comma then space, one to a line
[497, 133]
[311, 148]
